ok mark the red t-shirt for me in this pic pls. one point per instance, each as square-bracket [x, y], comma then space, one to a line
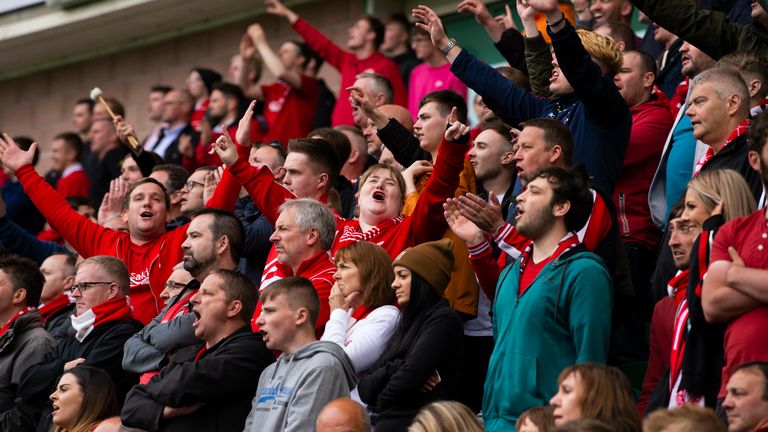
[531, 270]
[289, 112]
[744, 337]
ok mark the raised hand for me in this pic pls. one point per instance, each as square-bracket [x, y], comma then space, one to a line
[456, 128]
[543, 6]
[123, 129]
[487, 216]
[461, 226]
[12, 156]
[186, 148]
[428, 20]
[276, 7]
[476, 8]
[256, 32]
[243, 134]
[247, 48]
[210, 182]
[225, 148]
[506, 19]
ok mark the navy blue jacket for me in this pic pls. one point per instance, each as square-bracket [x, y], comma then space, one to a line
[596, 114]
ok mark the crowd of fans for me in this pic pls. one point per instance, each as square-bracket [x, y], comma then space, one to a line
[590, 256]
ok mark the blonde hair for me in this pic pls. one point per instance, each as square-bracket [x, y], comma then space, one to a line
[724, 185]
[688, 418]
[604, 50]
[445, 416]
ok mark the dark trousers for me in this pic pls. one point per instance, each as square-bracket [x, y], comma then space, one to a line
[477, 354]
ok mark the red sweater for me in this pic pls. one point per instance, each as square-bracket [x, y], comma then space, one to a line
[75, 183]
[319, 269]
[651, 123]
[289, 112]
[426, 223]
[149, 265]
[349, 66]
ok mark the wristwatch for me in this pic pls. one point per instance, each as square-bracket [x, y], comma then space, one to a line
[447, 48]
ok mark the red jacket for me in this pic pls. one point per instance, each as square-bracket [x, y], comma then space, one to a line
[319, 269]
[75, 183]
[149, 265]
[426, 223]
[349, 66]
[651, 123]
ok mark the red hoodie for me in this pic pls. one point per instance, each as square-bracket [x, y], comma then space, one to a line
[651, 123]
[149, 265]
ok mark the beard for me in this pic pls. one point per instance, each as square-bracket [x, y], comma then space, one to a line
[196, 266]
[535, 223]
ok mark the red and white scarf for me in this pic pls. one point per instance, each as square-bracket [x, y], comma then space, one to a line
[740, 130]
[116, 309]
[352, 233]
[678, 287]
[8, 324]
[54, 306]
[180, 308]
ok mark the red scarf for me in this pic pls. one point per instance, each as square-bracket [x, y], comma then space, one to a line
[180, 308]
[740, 130]
[8, 324]
[351, 234]
[678, 287]
[54, 306]
[116, 309]
[526, 279]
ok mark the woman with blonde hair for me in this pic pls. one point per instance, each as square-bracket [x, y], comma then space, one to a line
[363, 315]
[84, 397]
[445, 416]
[598, 392]
[712, 199]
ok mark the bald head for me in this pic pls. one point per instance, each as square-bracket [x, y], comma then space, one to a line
[401, 114]
[343, 415]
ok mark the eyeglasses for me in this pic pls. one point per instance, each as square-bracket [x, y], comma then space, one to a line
[171, 285]
[83, 286]
[191, 184]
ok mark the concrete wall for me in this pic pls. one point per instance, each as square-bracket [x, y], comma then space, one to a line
[40, 104]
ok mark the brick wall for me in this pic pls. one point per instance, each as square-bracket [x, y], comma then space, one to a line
[40, 104]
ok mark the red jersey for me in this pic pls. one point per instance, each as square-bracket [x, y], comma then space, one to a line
[742, 342]
[74, 182]
[149, 265]
[349, 66]
[289, 112]
[198, 114]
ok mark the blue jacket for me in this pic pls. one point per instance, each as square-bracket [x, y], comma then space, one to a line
[563, 318]
[17, 241]
[596, 114]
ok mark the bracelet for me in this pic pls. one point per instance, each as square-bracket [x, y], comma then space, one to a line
[449, 46]
[556, 23]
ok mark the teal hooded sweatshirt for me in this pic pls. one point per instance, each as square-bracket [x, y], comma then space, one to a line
[563, 318]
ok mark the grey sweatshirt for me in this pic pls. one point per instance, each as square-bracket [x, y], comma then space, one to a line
[293, 390]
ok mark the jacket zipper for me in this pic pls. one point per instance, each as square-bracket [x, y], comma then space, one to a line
[623, 214]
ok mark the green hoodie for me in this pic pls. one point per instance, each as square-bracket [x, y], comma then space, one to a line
[563, 318]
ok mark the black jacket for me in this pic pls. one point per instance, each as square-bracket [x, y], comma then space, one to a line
[393, 387]
[224, 378]
[102, 348]
[735, 156]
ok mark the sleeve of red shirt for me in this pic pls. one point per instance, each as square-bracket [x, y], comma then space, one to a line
[486, 268]
[723, 240]
[260, 183]
[85, 236]
[427, 220]
[320, 43]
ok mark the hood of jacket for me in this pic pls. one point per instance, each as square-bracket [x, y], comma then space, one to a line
[308, 351]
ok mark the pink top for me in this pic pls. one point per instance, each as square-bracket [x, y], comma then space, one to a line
[426, 79]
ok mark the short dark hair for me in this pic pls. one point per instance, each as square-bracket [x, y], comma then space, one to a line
[77, 201]
[238, 287]
[140, 182]
[24, 143]
[277, 147]
[569, 185]
[116, 106]
[336, 138]
[516, 76]
[499, 127]
[24, 273]
[177, 176]
[401, 20]
[304, 50]
[321, 154]
[160, 88]
[760, 367]
[619, 32]
[757, 134]
[751, 62]
[225, 224]
[73, 142]
[230, 90]
[85, 101]
[298, 291]
[377, 27]
[554, 133]
[647, 63]
[677, 210]
[445, 100]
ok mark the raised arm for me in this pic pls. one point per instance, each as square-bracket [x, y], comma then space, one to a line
[271, 60]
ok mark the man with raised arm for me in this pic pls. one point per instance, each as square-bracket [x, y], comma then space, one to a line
[365, 37]
[147, 249]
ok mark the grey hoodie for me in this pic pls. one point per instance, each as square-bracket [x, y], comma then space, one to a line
[293, 390]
